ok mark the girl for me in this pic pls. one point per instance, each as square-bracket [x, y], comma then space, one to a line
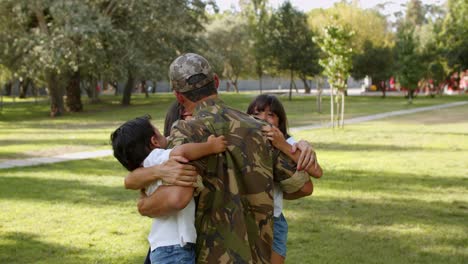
[269, 108]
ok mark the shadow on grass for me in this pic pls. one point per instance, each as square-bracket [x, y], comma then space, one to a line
[53, 142]
[358, 231]
[27, 184]
[62, 191]
[19, 247]
[392, 182]
[336, 146]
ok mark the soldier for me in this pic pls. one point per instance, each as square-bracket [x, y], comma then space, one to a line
[234, 212]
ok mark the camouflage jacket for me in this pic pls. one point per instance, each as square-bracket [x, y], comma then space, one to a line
[234, 211]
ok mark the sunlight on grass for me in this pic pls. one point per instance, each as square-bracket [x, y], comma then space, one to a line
[393, 190]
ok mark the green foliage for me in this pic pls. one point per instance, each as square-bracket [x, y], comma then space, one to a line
[367, 24]
[454, 41]
[291, 46]
[227, 39]
[335, 43]
[376, 62]
[415, 13]
[408, 61]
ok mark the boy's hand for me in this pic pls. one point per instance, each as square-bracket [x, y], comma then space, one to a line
[218, 144]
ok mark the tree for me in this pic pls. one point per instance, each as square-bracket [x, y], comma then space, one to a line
[408, 60]
[337, 63]
[369, 25]
[49, 40]
[291, 45]
[256, 13]
[454, 42]
[227, 37]
[376, 62]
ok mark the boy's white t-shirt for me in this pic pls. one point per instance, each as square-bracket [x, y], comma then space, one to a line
[175, 229]
[278, 193]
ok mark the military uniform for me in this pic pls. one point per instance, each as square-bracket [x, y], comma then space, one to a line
[234, 211]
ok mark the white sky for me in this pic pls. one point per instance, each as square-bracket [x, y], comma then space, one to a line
[306, 5]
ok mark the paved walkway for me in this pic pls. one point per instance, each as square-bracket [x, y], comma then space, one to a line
[103, 153]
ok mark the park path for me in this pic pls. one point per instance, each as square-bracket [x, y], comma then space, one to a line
[103, 153]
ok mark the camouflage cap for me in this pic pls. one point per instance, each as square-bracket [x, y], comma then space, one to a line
[186, 66]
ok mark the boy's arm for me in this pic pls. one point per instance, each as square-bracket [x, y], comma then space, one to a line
[172, 171]
[194, 151]
[164, 201]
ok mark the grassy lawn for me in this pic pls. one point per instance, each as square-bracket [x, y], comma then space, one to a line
[27, 131]
[394, 190]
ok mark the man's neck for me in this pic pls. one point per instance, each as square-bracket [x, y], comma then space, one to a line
[190, 106]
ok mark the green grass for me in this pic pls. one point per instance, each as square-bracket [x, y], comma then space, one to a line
[393, 191]
[27, 131]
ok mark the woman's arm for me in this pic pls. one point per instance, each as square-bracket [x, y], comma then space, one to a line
[172, 171]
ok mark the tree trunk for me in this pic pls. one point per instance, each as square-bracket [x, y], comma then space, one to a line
[338, 110]
[87, 86]
[8, 88]
[235, 84]
[291, 85]
[342, 110]
[94, 90]
[143, 88]
[319, 96]
[127, 93]
[306, 84]
[331, 107]
[154, 87]
[23, 87]
[260, 78]
[410, 95]
[73, 100]
[384, 88]
[116, 86]
[56, 95]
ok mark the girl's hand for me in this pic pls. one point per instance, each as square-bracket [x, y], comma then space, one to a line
[218, 144]
[274, 135]
[307, 157]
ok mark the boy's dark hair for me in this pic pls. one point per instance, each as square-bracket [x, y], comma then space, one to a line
[131, 142]
[268, 100]
[200, 93]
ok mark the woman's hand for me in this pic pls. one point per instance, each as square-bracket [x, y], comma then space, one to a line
[307, 157]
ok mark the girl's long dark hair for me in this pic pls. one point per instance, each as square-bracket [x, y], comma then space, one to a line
[268, 100]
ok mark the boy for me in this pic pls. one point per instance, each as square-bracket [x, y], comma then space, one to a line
[138, 143]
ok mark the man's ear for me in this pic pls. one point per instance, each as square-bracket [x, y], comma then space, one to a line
[216, 81]
[180, 98]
